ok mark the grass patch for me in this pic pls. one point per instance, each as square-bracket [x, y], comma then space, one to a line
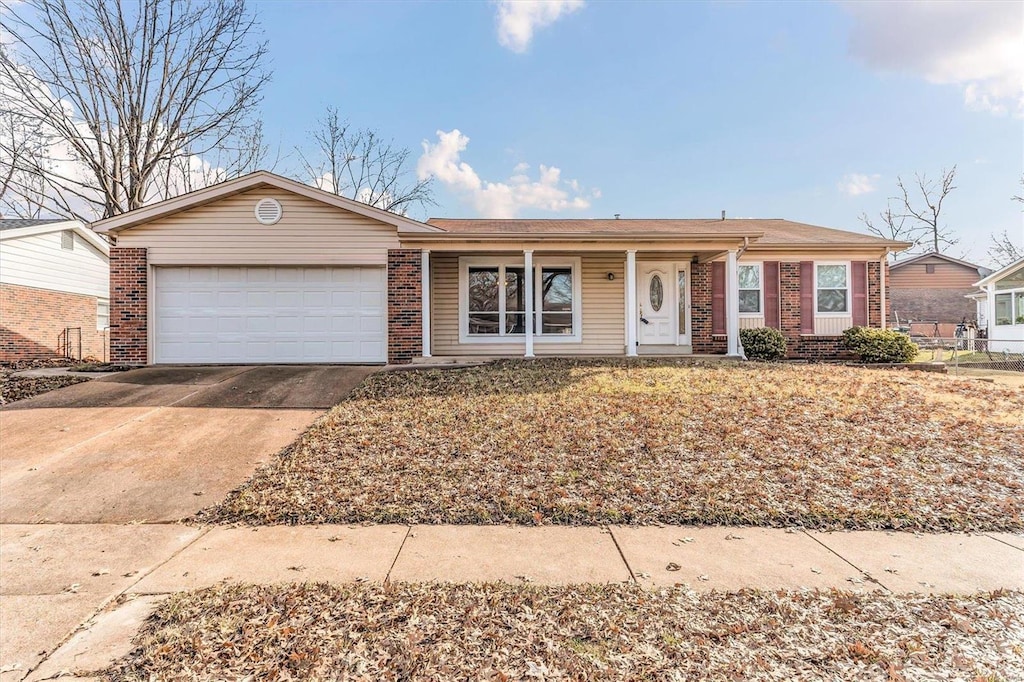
[575, 442]
[607, 632]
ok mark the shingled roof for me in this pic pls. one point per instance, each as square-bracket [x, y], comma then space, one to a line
[15, 223]
[775, 231]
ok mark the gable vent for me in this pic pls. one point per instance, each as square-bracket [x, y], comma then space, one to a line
[268, 211]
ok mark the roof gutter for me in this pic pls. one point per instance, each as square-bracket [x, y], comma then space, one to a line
[578, 236]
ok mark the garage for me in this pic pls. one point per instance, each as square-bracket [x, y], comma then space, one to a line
[263, 314]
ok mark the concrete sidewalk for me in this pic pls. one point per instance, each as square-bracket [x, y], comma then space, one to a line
[72, 596]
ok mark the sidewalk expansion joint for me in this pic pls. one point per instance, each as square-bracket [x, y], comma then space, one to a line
[408, 531]
[110, 600]
[860, 570]
[622, 555]
[992, 537]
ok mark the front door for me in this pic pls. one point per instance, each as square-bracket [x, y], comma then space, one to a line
[664, 303]
[657, 301]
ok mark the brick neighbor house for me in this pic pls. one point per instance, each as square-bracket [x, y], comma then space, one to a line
[928, 292]
[53, 290]
[262, 269]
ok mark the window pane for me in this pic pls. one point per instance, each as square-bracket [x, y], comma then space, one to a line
[556, 289]
[831, 276]
[1019, 311]
[682, 302]
[483, 323]
[657, 293]
[831, 300]
[1004, 309]
[750, 277]
[556, 323]
[515, 323]
[515, 289]
[1012, 281]
[483, 289]
[750, 301]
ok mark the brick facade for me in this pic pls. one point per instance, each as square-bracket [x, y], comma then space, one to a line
[702, 340]
[799, 346]
[129, 283]
[405, 315]
[32, 322]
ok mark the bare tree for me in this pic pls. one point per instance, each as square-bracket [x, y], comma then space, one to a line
[896, 226]
[361, 165]
[918, 214]
[1002, 249]
[126, 91]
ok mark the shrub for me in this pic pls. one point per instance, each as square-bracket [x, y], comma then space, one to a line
[763, 343]
[879, 345]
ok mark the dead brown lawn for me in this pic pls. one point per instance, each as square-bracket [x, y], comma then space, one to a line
[575, 442]
[595, 632]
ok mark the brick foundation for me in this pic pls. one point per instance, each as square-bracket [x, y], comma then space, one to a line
[405, 313]
[129, 282]
[32, 320]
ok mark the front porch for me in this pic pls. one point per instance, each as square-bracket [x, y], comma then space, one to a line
[596, 302]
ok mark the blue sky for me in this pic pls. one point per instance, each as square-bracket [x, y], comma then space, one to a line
[801, 111]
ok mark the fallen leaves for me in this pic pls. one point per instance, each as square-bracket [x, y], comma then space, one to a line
[616, 632]
[14, 388]
[648, 442]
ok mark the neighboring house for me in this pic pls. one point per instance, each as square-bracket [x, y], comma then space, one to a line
[1000, 307]
[929, 292]
[54, 299]
[262, 269]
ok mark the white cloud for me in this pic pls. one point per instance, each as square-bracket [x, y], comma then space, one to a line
[442, 160]
[856, 184]
[518, 19]
[977, 45]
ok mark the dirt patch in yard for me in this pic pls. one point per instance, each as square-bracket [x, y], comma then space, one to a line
[14, 388]
[607, 632]
[645, 442]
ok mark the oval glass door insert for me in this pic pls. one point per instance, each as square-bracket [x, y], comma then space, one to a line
[657, 293]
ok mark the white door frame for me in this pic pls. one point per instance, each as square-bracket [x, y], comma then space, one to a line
[671, 271]
[687, 338]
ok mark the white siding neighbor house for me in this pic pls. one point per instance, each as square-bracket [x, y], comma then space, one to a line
[1000, 304]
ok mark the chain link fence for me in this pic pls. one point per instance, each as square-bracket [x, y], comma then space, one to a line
[971, 355]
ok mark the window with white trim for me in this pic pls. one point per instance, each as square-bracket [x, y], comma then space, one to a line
[832, 288]
[492, 299]
[750, 290]
[102, 313]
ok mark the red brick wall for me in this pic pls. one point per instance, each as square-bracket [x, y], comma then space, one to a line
[405, 312]
[798, 346]
[32, 319]
[700, 311]
[129, 280]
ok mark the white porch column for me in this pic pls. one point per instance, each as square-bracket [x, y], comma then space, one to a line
[528, 267]
[631, 321]
[990, 303]
[732, 305]
[425, 303]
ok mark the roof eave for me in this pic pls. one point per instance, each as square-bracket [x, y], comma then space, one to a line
[223, 190]
[585, 236]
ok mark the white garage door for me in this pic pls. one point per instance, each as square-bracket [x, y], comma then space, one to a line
[270, 315]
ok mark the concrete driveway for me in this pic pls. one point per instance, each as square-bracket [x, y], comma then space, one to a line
[154, 444]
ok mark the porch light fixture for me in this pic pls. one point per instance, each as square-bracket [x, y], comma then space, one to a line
[611, 276]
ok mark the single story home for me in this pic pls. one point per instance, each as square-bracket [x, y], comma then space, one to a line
[54, 300]
[1000, 307]
[262, 269]
[927, 293]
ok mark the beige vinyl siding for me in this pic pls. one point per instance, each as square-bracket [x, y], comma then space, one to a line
[603, 311]
[946, 276]
[226, 232]
[832, 326]
[39, 261]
